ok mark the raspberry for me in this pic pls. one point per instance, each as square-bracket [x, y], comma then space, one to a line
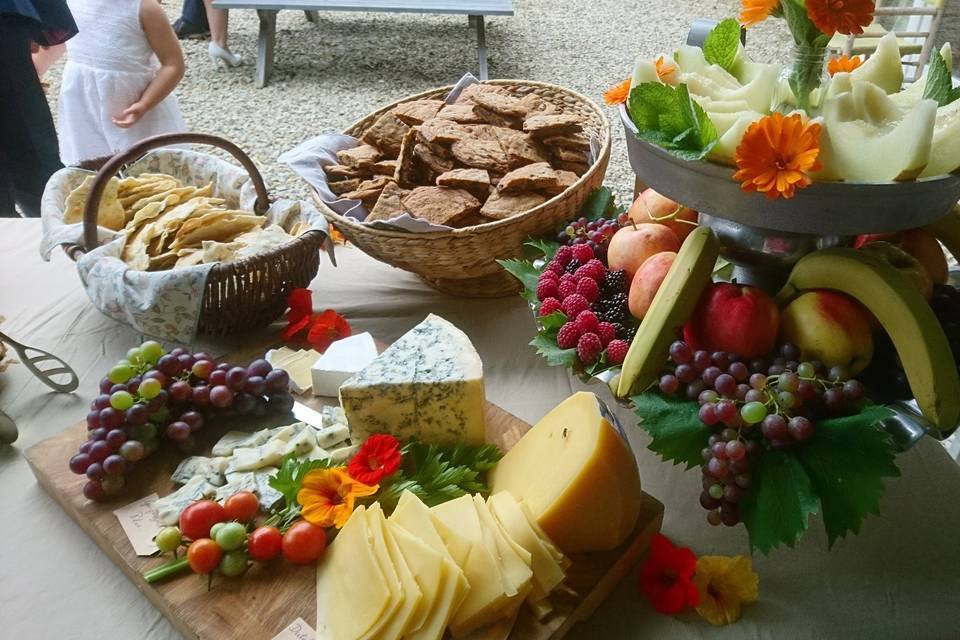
[549, 306]
[587, 321]
[605, 330]
[554, 267]
[547, 289]
[566, 288]
[548, 275]
[563, 255]
[582, 252]
[597, 270]
[617, 351]
[588, 347]
[568, 335]
[574, 304]
[588, 289]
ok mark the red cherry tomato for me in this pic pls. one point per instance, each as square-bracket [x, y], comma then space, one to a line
[242, 506]
[304, 542]
[203, 555]
[196, 519]
[264, 543]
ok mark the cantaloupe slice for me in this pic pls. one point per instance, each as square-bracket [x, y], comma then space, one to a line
[913, 93]
[883, 68]
[945, 147]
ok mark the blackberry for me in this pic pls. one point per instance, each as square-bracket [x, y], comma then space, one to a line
[572, 266]
[613, 309]
[629, 331]
[614, 282]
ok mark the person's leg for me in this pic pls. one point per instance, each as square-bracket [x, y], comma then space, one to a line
[218, 19]
[26, 126]
[195, 12]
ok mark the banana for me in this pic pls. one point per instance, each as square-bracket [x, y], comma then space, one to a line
[900, 308]
[947, 230]
[671, 306]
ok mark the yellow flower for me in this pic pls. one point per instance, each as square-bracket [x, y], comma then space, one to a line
[327, 496]
[724, 584]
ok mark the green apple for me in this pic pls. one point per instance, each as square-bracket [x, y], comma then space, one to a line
[831, 327]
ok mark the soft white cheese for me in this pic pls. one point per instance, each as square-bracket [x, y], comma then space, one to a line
[341, 360]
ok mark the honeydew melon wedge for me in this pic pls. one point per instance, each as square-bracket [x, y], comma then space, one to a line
[724, 151]
[690, 59]
[883, 68]
[839, 83]
[723, 106]
[860, 151]
[724, 121]
[746, 70]
[874, 106]
[945, 147]
[758, 93]
[913, 93]
[644, 71]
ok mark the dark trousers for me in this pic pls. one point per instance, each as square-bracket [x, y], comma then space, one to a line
[28, 141]
[194, 13]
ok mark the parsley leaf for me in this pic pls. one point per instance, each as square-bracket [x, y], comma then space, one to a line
[721, 44]
[674, 426]
[846, 461]
[670, 118]
[939, 85]
[776, 508]
[287, 480]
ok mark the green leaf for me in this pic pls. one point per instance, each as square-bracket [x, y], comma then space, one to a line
[597, 204]
[552, 322]
[777, 507]
[647, 101]
[541, 247]
[555, 356]
[289, 477]
[939, 85]
[846, 462]
[526, 273]
[705, 133]
[670, 118]
[721, 44]
[674, 426]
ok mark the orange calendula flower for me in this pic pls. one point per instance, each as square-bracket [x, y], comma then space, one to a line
[776, 153]
[327, 496]
[617, 94]
[843, 63]
[756, 11]
[724, 585]
[841, 16]
[664, 69]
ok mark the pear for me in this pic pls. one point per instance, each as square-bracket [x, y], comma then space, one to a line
[913, 93]
[883, 68]
[945, 147]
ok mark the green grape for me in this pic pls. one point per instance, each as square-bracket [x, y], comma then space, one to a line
[151, 351]
[234, 563]
[231, 536]
[134, 355]
[715, 491]
[121, 400]
[753, 412]
[120, 373]
[806, 370]
[145, 432]
[215, 529]
[149, 388]
[787, 400]
[168, 539]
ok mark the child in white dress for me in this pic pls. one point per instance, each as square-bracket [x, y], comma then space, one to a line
[117, 88]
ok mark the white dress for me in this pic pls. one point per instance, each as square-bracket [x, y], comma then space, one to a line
[109, 64]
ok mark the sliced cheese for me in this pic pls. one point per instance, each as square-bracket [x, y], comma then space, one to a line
[514, 560]
[342, 359]
[404, 593]
[248, 459]
[426, 566]
[353, 607]
[332, 435]
[301, 444]
[577, 475]
[342, 454]
[232, 440]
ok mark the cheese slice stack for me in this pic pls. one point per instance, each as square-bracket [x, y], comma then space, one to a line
[297, 364]
[428, 384]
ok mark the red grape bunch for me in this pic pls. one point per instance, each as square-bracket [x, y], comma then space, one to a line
[594, 233]
[152, 395]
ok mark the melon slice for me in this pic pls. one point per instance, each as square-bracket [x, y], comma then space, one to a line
[883, 68]
[746, 70]
[945, 147]
[839, 83]
[725, 121]
[690, 59]
[724, 151]
[758, 93]
[723, 106]
[644, 71]
[913, 93]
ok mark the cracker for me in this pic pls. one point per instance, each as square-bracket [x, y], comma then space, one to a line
[384, 168]
[473, 180]
[570, 155]
[577, 141]
[343, 186]
[480, 154]
[343, 172]
[440, 205]
[389, 204]
[522, 149]
[502, 104]
[440, 131]
[460, 113]
[417, 111]
[565, 180]
[531, 177]
[359, 157]
[431, 159]
[578, 168]
[552, 124]
[217, 225]
[110, 213]
[471, 91]
[386, 133]
[500, 206]
[497, 119]
[406, 175]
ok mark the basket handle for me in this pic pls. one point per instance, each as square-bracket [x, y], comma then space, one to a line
[115, 163]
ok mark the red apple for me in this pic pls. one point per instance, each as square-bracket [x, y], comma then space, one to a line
[867, 238]
[651, 206]
[924, 246]
[633, 244]
[647, 281]
[734, 318]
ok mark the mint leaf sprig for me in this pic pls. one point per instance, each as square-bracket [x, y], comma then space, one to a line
[939, 85]
[669, 118]
[722, 43]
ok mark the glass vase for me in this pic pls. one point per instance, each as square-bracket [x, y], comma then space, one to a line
[803, 82]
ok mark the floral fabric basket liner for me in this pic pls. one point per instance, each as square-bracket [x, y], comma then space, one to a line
[161, 304]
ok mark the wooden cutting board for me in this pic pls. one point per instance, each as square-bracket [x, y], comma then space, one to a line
[272, 595]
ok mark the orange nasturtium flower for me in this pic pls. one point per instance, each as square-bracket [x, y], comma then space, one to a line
[848, 17]
[664, 68]
[617, 94]
[776, 153]
[843, 63]
[327, 496]
[724, 585]
[756, 11]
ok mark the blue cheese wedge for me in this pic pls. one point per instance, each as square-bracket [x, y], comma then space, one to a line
[256, 481]
[317, 453]
[330, 436]
[210, 468]
[169, 507]
[232, 440]
[301, 443]
[249, 459]
[333, 415]
[344, 453]
[284, 433]
[342, 359]
[427, 385]
[237, 481]
[297, 365]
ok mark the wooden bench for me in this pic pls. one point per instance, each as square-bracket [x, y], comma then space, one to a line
[267, 11]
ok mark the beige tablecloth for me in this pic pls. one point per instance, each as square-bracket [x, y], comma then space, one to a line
[899, 578]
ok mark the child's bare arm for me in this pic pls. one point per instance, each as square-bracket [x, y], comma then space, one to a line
[164, 43]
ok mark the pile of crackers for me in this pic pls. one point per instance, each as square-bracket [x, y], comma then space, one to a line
[169, 225]
[487, 156]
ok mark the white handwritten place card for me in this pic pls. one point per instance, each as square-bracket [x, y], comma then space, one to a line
[297, 630]
[139, 522]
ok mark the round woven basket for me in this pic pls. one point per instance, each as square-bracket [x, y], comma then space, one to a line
[463, 261]
[241, 295]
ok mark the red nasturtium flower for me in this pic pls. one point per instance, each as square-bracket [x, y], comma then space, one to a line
[300, 302]
[378, 457]
[848, 17]
[322, 328]
[665, 578]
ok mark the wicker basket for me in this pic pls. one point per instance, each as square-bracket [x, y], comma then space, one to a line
[242, 295]
[463, 261]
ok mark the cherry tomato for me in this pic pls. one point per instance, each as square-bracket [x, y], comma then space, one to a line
[264, 543]
[196, 519]
[203, 555]
[304, 542]
[241, 506]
